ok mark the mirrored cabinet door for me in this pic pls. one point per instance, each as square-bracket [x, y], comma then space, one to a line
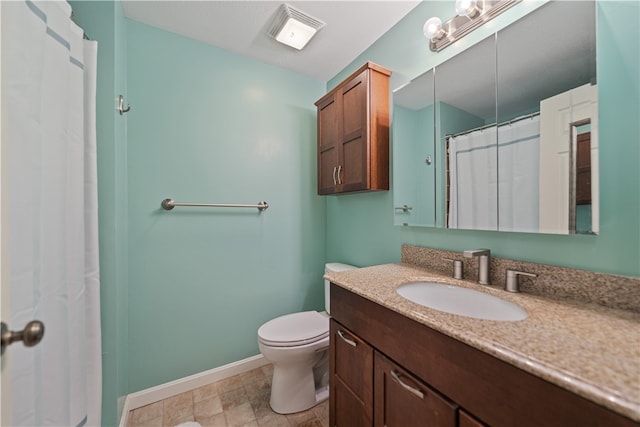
[413, 153]
[547, 113]
[465, 96]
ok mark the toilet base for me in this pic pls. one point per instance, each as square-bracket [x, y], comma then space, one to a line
[322, 394]
[293, 390]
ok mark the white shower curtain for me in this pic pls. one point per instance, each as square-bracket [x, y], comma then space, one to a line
[49, 74]
[496, 188]
[518, 175]
[473, 178]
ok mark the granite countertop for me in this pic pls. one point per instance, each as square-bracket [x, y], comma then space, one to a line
[591, 350]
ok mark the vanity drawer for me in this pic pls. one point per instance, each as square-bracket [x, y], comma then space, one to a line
[402, 400]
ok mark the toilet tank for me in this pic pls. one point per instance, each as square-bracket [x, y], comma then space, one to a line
[333, 267]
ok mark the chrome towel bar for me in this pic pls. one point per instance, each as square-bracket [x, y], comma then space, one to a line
[168, 204]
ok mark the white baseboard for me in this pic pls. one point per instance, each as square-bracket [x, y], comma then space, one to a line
[164, 391]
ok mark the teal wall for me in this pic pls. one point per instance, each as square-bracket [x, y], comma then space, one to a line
[104, 21]
[210, 126]
[415, 181]
[405, 178]
[352, 219]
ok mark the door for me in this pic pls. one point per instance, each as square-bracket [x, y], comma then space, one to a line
[328, 146]
[5, 396]
[351, 379]
[559, 115]
[354, 163]
[48, 233]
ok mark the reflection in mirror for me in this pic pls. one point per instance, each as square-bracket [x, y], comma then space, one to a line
[516, 131]
[583, 192]
[465, 94]
[546, 90]
[413, 153]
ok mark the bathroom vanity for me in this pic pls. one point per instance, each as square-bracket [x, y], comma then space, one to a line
[397, 363]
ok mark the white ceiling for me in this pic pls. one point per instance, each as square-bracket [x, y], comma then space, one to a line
[241, 27]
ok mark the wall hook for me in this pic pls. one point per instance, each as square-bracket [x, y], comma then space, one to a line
[121, 105]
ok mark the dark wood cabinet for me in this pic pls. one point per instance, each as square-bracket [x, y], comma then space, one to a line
[477, 388]
[353, 133]
[466, 420]
[583, 169]
[351, 379]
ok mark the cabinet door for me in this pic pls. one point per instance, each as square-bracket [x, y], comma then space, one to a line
[351, 380]
[354, 164]
[466, 420]
[328, 145]
[401, 400]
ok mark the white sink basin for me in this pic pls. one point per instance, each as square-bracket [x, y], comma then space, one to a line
[461, 301]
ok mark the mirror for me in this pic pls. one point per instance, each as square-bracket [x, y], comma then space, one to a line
[515, 131]
[548, 81]
[414, 170]
[466, 131]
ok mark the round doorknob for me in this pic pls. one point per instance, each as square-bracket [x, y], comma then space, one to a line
[31, 334]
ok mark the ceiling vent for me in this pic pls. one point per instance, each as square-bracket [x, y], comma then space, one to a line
[293, 27]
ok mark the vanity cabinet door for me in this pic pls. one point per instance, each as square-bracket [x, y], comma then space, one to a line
[351, 379]
[466, 420]
[401, 400]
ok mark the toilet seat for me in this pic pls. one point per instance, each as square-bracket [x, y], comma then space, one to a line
[294, 329]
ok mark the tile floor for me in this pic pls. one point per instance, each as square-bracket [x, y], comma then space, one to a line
[241, 400]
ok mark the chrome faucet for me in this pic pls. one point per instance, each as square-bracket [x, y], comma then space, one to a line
[511, 283]
[484, 263]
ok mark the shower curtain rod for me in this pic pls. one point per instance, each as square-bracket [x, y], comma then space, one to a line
[506, 122]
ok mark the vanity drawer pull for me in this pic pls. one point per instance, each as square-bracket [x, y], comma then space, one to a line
[347, 340]
[405, 386]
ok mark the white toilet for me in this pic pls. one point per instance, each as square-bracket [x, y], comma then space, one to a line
[297, 345]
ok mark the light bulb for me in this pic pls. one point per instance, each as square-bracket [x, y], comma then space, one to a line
[466, 7]
[433, 28]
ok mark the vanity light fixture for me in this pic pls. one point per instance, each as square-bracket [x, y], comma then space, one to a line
[468, 8]
[433, 29]
[294, 28]
[470, 14]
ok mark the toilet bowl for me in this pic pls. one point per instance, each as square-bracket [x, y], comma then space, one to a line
[297, 345]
